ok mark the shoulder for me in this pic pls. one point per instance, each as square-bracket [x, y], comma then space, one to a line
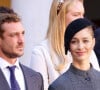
[42, 44]
[96, 73]
[41, 51]
[96, 77]
[61, 83]
[41, 47]
[34, 79]
[28, 71]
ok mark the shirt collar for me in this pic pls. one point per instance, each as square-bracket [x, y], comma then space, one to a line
[81, 72]
[4, 63]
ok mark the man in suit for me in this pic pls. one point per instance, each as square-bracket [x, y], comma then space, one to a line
[97, 45]
[12, 47]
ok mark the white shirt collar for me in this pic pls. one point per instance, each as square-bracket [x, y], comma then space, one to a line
[4, 63]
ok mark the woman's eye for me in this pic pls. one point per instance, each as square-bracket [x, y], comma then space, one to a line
[73, 42]
[86, 41]
[75, 15]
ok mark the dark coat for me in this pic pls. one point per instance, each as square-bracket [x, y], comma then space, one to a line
[75, 79]
[97, 45]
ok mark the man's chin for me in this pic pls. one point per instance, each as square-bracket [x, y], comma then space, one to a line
[21, 54]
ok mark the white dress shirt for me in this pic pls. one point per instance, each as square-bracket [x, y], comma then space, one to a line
[18, 73]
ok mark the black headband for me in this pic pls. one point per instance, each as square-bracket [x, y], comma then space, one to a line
[74, 27]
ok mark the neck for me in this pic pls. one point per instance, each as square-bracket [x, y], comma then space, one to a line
[82, 65]
[10, 60]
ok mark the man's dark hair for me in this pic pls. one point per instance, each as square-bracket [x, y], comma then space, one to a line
[7, 18]
[6, 10]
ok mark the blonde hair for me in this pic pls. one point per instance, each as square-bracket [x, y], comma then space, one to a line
[56, 30]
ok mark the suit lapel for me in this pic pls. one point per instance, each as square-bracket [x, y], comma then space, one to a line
[3, 82]
[28, 76]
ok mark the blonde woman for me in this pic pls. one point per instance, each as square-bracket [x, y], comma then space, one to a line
[48, 57]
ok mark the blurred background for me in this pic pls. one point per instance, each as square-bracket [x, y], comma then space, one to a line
[92, 10]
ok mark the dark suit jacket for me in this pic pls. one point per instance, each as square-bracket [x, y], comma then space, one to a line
[33, 80]
[97, 45]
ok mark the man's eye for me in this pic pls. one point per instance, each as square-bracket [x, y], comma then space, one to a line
[12, 35]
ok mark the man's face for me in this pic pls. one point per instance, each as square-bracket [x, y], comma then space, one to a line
[12, 43]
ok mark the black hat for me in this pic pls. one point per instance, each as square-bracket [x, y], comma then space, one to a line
[74, 27]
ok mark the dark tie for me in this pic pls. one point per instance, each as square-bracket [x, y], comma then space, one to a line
[14, 84]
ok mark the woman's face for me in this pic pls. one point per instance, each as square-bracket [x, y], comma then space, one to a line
[81, 45]
[75, 11]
